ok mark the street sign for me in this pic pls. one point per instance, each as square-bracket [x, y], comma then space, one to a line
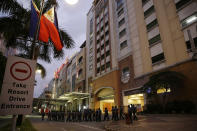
[18, 85]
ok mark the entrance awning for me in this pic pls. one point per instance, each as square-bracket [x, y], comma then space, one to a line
[133, 91]
[74, 95]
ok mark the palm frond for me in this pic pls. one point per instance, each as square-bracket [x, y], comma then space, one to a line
[10, 6]
[45, 51]
[66, 39]
[57, 54]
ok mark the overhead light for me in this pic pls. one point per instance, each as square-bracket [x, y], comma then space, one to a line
[39, 71]
[191, 19]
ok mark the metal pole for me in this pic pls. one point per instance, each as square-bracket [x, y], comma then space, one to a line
[14, 122]
[37, 30]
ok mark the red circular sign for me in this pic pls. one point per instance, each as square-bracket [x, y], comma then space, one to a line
[25, 71]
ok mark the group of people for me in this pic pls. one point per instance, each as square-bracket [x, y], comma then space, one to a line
[90, 115]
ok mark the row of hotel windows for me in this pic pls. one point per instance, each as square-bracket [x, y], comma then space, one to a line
[102, 68]
[103, 56]
[151, 26]
[121, 22]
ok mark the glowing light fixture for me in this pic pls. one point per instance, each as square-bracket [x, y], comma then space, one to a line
[71, 2]
[39, 71]
[191, 19]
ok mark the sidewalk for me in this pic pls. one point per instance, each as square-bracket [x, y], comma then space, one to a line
[156, 123]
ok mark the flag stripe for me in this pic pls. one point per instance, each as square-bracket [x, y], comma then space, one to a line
[34, 21]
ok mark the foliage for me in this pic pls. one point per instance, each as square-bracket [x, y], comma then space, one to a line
[180, 106]
[3, 61]
[176, 106]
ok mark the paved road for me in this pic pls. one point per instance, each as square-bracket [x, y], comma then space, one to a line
[158, 123]
[66, 126]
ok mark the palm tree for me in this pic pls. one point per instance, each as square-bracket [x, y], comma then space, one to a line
[165, 81]
[15, 29]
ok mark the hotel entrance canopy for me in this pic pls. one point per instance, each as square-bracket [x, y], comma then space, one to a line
[74, 95]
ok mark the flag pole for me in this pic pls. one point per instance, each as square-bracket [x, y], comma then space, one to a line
[37, 30]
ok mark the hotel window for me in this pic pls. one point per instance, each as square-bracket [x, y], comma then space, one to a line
[181, 3]
[107, 32]
[102, 57]
[125, 72]
[151, 25]
[149, 11]
[98, 70]
[98, 59]
[107, 53]
[120, 12]
[123, 44]
[158, 58]
[101, 28]
[121, 22]
[189, 20]
[91, 50]
[102, 47]
[98, 50]
[80, 60]
[144, 1]
[91, 58]
[154, 39]
[91, 26]
[97, 19]
[107, 43]
[102, 37]
[102, 67]
[108, 64]
[106, 23]
[122, 33]
[188, 43]
[98, 41]
[90, 67]
[80, 72]
[91, 41]
[119, 4]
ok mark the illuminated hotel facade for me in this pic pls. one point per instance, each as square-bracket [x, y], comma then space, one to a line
[133, 39]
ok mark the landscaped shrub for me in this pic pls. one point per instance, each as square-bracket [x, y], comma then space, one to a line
[180, 107]
[153, 108]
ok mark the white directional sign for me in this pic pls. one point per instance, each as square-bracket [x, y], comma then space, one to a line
[18, 85]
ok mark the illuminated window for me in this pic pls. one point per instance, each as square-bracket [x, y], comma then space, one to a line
[163, 90]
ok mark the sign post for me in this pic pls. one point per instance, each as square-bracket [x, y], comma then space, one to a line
[18, 86]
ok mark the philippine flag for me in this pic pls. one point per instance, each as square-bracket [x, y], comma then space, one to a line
[48, 27]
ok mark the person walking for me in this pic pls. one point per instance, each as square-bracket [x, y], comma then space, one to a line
[42, 113]
[106, 115]
[121, 113]
[99, 114]
[116, 113]
[113, 113]
[134, 113]
[130, 113]
[94, 115]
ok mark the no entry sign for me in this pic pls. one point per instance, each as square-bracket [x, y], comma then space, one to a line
[18, 85]
[20, 71]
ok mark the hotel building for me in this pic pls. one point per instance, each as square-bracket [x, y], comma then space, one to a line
[135, 39]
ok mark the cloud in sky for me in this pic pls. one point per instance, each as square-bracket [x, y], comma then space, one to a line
[72, 18]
